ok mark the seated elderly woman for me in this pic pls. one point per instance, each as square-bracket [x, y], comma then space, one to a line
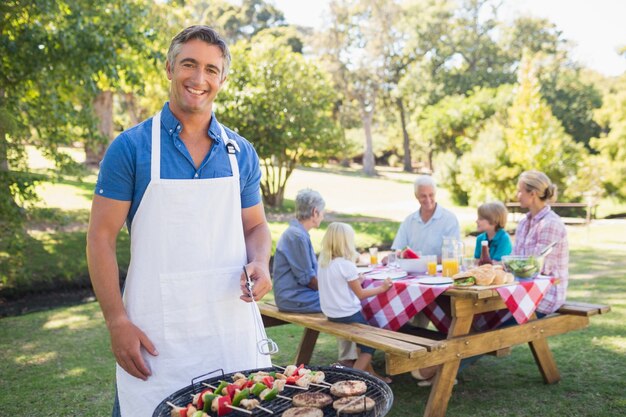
[295, 263]
[295, 266]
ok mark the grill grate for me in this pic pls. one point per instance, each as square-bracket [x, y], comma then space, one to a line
[377, 390]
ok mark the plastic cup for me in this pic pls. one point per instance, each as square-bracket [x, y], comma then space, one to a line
[450, 267]
[391, 259]
[431, 264]
[373, 256]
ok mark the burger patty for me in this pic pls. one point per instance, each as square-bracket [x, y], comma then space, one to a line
[348, 388]
[303, 412]
[312, 399]
[351, 405]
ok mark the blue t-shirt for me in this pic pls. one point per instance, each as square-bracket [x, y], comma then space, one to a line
[125, 170]
[499, 246]
[294, 266]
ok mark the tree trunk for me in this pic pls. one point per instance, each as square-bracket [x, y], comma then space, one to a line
[430, 158]
[406, 141]
[95, 148]
[131, 108]
[10, 211]
[369, 163]
[4, 161]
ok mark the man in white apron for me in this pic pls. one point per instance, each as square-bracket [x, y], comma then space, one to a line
[189, 194]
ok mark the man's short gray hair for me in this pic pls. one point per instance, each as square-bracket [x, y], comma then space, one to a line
[203, 33]
[424, 181]
[306, 201]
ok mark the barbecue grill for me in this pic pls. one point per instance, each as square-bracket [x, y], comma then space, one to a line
[377, 390]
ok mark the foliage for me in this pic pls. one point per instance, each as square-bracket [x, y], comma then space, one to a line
[611, 144]
[531, 138]
[472, 56]
[56, 55]
[453, 123]
[235, 21]
[283, 103]
[355, 51]
[572, 101]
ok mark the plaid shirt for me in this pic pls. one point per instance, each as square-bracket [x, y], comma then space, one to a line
[535, 233]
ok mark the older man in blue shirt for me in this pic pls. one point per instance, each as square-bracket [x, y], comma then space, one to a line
[425, 229]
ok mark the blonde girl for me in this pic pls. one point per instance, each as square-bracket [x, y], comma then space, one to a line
[340, 286]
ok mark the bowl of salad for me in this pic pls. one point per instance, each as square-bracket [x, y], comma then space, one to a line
[522, 266]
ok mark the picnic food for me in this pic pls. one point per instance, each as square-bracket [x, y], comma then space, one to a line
[352, 405]
[522, 266]
[303, 412]
[312, 399]
[348, 388]
[408, 253]
[501, 276]
[464, 279]
[483, 275]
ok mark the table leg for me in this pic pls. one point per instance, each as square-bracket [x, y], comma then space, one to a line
[545, 360]
[307, 344]
[444, 379]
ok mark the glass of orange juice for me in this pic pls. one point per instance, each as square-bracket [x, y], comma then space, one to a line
[373, 256]
[431, 264]
[450, 266]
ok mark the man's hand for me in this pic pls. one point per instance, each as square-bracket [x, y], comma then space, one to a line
[261, 282]
[126, 343]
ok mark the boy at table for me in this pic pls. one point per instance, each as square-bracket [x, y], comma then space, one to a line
[491, 222]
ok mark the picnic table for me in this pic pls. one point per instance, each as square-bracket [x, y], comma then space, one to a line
[460, 312]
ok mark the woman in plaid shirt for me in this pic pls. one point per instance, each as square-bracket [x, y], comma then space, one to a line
[540, 227]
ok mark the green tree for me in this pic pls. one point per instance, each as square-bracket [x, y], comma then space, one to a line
[351, 48]
[531, 138]
[572, 101]
[282, 103]
[611, 144]
[55, 57]
[235, 21]
[412, 32]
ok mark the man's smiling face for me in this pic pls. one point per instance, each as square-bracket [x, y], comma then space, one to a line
[196, 77]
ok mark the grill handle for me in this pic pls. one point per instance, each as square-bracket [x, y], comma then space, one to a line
[197, 379]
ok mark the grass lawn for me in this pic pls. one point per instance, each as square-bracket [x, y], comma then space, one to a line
[58, 362]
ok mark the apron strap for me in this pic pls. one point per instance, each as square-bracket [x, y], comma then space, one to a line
[155, 162]
[231, 148]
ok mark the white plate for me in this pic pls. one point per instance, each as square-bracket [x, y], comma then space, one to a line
[364, 269]
[385, 274]
[435, 280]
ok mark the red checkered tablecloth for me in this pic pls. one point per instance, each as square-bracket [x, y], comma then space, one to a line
[520, 298]
[394, 308]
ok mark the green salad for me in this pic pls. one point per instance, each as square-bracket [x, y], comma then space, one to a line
[522, 268]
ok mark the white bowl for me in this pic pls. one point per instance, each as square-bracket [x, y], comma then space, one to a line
[413, 266]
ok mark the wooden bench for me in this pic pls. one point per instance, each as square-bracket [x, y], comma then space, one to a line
[405, 352]
[561, 209]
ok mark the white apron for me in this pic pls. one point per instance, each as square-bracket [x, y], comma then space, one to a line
[182, 288]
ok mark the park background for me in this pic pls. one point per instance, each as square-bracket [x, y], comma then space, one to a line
[354, 107]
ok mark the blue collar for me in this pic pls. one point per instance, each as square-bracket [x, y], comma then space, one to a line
[171, 124]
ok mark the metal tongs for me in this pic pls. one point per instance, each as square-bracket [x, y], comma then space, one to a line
[265, 345]
[546, 251]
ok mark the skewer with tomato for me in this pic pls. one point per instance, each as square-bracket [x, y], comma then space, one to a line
[188, 411]
[303, 377]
